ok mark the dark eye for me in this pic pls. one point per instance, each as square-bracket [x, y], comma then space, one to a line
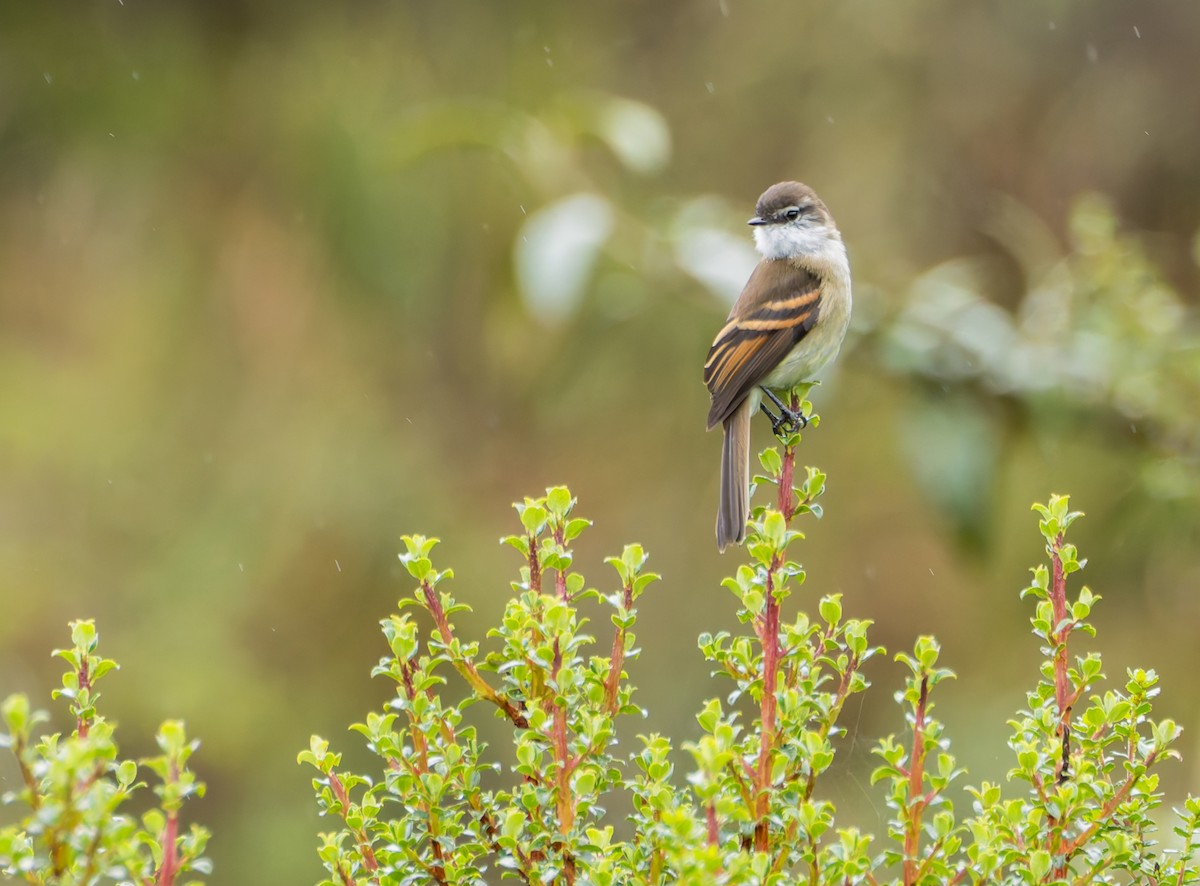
[792, 214]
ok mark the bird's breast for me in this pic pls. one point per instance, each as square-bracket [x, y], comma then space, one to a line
[816, 349]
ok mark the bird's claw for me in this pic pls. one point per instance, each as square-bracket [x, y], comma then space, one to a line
[788, 422]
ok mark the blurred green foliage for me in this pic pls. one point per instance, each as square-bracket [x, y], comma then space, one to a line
[279, 282]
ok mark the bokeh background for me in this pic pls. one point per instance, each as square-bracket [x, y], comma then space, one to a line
[282, 281]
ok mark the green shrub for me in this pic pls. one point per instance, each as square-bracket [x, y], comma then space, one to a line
[75, 789]
[444, 808]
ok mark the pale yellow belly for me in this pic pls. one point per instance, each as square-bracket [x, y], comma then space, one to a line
[812, 352]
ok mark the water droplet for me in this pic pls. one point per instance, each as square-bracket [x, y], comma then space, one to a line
[1136, 32]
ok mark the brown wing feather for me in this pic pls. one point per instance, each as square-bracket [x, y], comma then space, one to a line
[777, 308]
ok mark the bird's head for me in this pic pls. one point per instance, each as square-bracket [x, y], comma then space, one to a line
[790, 221]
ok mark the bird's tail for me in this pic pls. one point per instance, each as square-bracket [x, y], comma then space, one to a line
[735, 477]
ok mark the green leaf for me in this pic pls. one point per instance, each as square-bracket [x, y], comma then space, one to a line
[16, 713]
[775, 529]
[533, 517]
[574, 528]
[831, 609]
[709, 717]
[559, 501]
[1039, 864]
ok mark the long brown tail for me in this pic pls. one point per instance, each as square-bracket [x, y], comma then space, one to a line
[735, 477]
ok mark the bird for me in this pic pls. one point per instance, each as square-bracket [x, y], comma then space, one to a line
[788, 323]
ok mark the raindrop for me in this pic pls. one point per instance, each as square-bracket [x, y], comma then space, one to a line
[49, 78]
[241, 567]
[708, 84]
[338, 565]
[1053, 27]
[1136, 32]
[137, 75]
[1093, 53]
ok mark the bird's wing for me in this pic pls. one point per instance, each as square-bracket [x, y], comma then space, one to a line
[786, 303]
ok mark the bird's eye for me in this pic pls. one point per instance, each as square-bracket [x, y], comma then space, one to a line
[792, 214]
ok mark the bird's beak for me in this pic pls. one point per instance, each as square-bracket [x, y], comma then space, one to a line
[757, 220]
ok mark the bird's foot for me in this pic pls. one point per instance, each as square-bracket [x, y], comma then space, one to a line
[789, 421]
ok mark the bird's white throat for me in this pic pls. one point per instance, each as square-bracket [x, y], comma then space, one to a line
[818, 244]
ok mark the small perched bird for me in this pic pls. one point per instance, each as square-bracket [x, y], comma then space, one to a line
[788, 322]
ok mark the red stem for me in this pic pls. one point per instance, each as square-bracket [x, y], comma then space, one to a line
[535, 567]
[787, 495]
[564, 802]
[769, 636]
[465, 666]
[560, 577]
[1059, 632]
[364, 845]
[617, 660]
[170, 859]
[1058, 600]
[1109, 808]
[916, 781]
[85, 685]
